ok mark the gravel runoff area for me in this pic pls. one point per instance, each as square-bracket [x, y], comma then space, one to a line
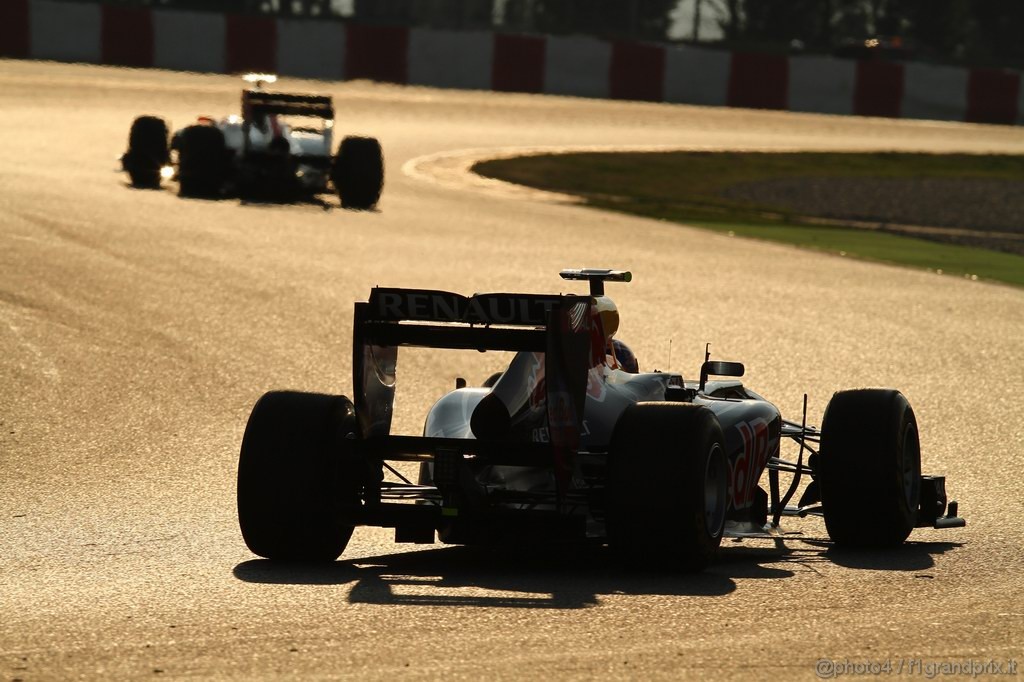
[987, 213]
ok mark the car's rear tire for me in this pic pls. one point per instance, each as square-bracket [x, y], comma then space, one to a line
[667, 486]
[869, 468]
[147, 151]
[358, 172]
[297, 476]
[202, 161]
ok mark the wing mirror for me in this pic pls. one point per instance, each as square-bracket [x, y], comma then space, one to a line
[719, 368]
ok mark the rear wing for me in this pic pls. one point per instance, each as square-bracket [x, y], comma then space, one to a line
[558, 326]
[441, 319]
[257, 102]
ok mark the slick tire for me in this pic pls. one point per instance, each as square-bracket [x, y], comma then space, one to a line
[202, 161]
[147, 151]
[297, 476]
[666, 491]
[358, 173]
[869, 468]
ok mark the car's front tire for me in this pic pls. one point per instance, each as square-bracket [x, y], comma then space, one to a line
[667, 485]
[869, 468]
[358, 173]
[297, 476]
[202, 161]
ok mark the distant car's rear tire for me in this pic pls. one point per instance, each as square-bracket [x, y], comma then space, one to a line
[667, 486]
[202, 161]
[358, 173]
[147, 151]
[869, 468]
[297, 476]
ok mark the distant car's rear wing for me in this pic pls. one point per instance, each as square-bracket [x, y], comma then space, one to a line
[439, 319]
[256, 102]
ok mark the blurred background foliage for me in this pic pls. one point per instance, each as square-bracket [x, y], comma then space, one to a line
[971, 32]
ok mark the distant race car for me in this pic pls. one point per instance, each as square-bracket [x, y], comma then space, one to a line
[570, 443]
[281, 145]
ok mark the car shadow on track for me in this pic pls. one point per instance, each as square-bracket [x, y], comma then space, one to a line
[568, 577]
[268, 200]
[553, 577]
[262, 201]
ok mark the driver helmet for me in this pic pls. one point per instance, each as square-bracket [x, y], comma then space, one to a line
[625, 357]
[609, 315]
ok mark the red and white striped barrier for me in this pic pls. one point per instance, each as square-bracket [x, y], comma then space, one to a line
[562, 65]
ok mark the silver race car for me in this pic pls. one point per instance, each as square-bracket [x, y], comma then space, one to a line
[280, 147]
[572, 442]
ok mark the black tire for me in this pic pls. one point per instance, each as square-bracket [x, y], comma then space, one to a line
[202, 161]
[491, 380]
[869, 468]
[358, 173]
[297, 476]
[667, 486]
[147, 151]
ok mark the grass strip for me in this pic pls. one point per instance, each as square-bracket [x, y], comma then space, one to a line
[688, 187]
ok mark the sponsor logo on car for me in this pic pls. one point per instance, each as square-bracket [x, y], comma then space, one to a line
[746, 469]
[443, 306]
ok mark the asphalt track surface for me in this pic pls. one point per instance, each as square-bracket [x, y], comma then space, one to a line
[137, 329]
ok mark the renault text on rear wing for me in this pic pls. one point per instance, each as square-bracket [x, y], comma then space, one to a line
[424, 305]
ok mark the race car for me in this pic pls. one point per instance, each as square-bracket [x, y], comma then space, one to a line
[280, 146]
[571, 443]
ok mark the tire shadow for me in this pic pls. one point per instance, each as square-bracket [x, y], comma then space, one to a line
[910, 556]
[809, 553]
[143, 188]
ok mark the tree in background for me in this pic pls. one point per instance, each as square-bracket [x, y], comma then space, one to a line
[639, 19]
[815, 24]
[306, 8]
[996, 32]
[941, 30]
[449, 14]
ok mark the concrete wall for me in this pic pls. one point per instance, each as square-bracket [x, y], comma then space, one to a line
[563, 65]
